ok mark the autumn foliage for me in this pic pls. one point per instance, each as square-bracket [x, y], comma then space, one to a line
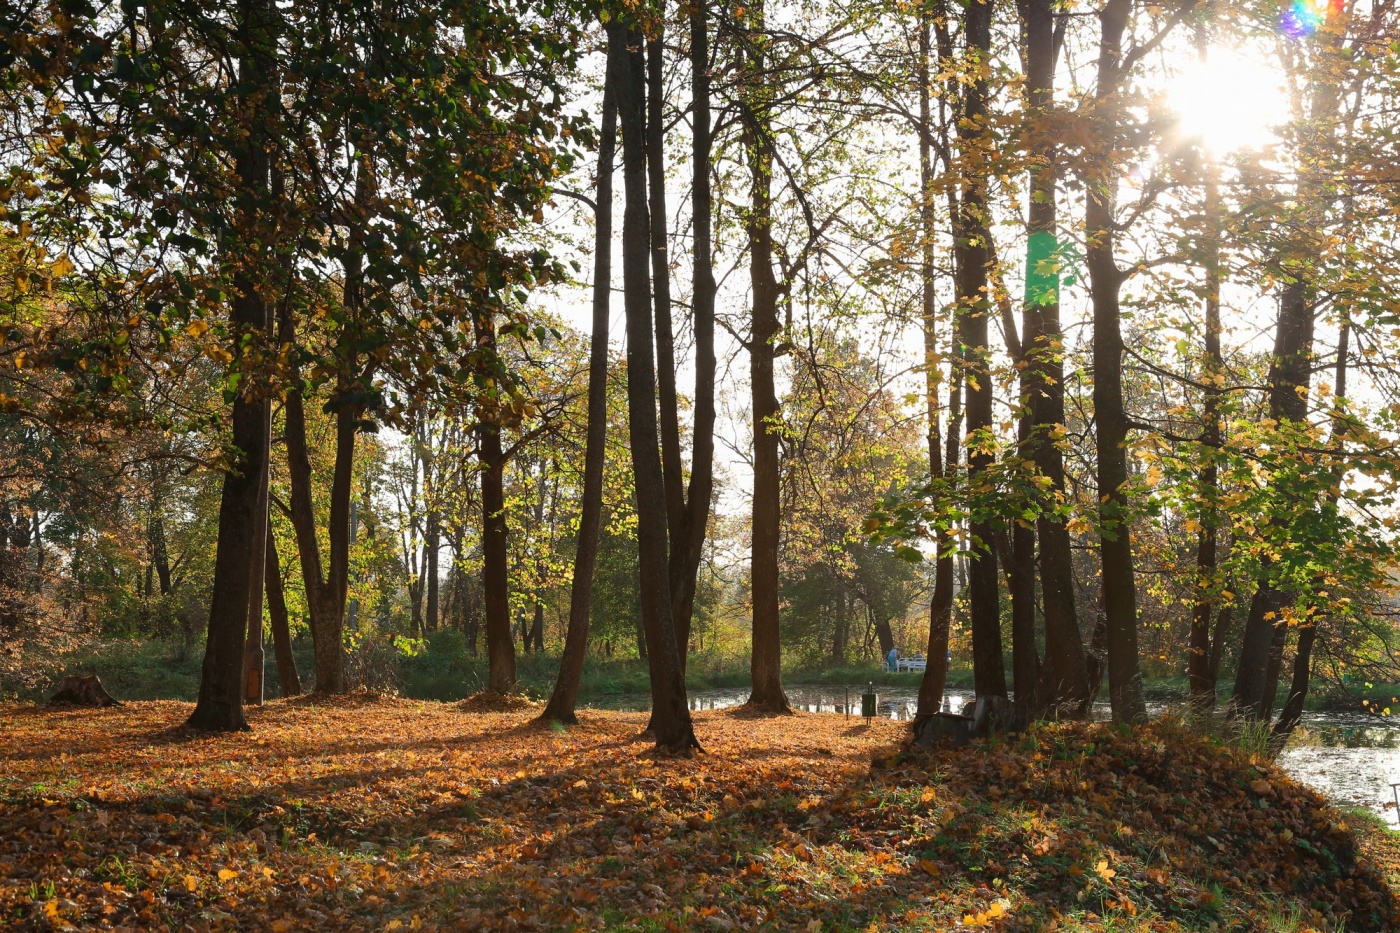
[373, 814]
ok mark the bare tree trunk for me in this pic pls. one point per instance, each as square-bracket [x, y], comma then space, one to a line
[1198, 658]
[254, 657]
[326, 584]
[1064, 678]
[1290, 373]
[1105, 280]
[1292, 711]
[495, 578]
[935, 679]
[564, 699]
[766, 667]
[989, 673]
[432, 543]
[220, 707]
[688, 541]
[670, 719]
[288, 681]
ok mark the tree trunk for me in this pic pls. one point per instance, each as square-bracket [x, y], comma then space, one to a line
[288, 681]
[1198, 656]
[254, 656]
[989, 674]
[564, 699]
[843, 627]
[160, 554]
[432, 543]
[1290, 374]
[1064, 685]
[1105, 280]
[1292, 711]
[495, 578]
[766, 667]
[326, 584]
[688, 542]
[935, 679]
[220, 707]
[670, 717]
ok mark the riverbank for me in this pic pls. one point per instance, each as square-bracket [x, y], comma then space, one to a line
[392, 814]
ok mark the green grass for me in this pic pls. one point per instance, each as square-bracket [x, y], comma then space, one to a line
[443, 670]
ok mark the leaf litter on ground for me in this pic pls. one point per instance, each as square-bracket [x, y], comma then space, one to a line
[386, 814]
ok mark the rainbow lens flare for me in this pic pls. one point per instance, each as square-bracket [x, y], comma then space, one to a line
[1302, 18]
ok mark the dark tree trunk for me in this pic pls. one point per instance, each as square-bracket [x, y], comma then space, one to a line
[254, 656]
[670, 716]
[766, 665]
[1290, 373]
[1064, 678]
[1198, 658]
[843, 627]
[1105, 281]
[688, 540]
[160, 554]
[326, 583]
[495, 577]
[220, 706]
[989, 673]
[935, 679]
[1292, 711]
[883, 632]
[537, 629]
[288, 680]
[432, 543]
[563, 700]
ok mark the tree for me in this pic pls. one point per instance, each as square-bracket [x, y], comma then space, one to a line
[670, 717]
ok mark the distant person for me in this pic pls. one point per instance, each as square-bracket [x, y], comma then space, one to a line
[893, 659]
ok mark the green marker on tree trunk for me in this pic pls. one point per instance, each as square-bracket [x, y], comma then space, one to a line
[1042, 269]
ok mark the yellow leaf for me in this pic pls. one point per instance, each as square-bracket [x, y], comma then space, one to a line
[191, 882]
[227, 874]
[393, 925]
[1104, 871]
[51, 909]
[281, 926]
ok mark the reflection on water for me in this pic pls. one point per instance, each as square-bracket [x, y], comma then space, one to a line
[1350, 757]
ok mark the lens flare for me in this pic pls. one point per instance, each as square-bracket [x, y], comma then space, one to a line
[1302, 18]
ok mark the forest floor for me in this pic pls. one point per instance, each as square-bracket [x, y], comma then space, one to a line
[369, 814]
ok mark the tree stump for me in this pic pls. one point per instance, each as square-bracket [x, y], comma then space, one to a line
[83, 691]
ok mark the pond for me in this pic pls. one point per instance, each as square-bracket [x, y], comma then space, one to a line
[1350, 757]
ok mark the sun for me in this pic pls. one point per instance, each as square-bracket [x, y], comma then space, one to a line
[1228, 101]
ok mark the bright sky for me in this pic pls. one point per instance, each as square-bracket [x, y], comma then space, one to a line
[1229, 101]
